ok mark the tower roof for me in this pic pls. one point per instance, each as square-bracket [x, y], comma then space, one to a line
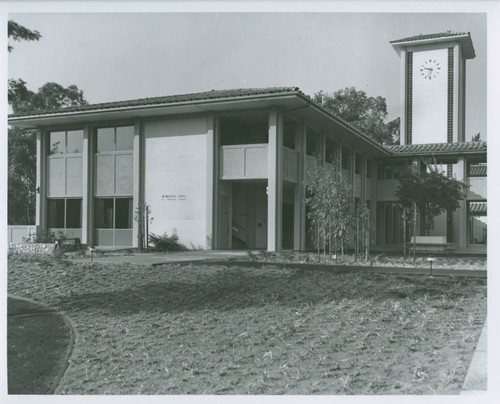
[463, 38]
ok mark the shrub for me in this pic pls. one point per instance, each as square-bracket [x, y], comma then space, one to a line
[165, 242]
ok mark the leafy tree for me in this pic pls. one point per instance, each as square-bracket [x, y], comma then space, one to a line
[368, 114]
[19, 33]
[429, 192]
[22, 143]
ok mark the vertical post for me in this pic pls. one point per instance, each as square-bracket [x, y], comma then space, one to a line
[274, 182]
[403, 88]
[86, 191]
[459, 217]
[211, 185]
[41, 181]
[138, 185]
[90, 222]
[299, 196]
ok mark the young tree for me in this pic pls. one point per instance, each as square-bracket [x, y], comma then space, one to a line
[368, 114]
[329, 202]
[429, 192]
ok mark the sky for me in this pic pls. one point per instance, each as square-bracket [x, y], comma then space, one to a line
[121, 56]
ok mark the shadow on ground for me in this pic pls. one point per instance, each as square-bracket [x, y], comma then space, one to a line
[239, 289]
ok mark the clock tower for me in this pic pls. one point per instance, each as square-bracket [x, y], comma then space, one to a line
[433, 87]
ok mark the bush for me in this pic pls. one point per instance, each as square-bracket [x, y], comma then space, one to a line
[165, 242]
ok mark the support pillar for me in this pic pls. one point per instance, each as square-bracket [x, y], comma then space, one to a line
[41, 182]
[138, 179]
[86, 181]
[212, 182]
[275, 181]
[459, 217]
[299, 206]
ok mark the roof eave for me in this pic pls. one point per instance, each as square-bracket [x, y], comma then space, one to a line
[464, 40]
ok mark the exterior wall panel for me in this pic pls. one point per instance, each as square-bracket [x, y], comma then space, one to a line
[74, 176]
[175, 177]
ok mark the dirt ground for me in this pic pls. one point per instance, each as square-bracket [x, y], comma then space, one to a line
[227, 330]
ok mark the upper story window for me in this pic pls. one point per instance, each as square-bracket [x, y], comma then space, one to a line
[112, 139]
[358, 163]
[346, 158]
[330, 150]
[66, 142]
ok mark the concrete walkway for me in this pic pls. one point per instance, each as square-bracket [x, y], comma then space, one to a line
[476, 381]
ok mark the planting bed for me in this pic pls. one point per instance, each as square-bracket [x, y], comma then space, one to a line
[226, 330]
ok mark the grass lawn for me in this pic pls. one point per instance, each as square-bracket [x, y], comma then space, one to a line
[227, 330]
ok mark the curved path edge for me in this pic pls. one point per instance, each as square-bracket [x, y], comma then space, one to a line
[69, 350]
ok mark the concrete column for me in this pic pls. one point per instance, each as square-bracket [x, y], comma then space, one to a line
[89, 222]
[299, 206]
[459, 217]
[86, 191]
[212, 180]
[138, 178]
[403, 88]
[275, 181]
[41, 181]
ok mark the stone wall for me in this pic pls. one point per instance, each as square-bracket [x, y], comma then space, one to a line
[32, 248]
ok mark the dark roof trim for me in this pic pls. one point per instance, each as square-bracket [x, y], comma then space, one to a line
[438, 148]
[214, 95]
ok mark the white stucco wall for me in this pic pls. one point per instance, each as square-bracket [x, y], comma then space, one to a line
[175, 178]
[430, 97]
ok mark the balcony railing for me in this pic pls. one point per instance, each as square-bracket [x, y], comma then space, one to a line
[245, 161]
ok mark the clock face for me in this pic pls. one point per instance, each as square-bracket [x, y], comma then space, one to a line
[430, 69]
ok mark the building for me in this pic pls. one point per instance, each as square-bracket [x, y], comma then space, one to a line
[226, 169]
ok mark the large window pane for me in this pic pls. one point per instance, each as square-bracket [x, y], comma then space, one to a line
[105, 139]
[125, 138]
[104, 213]
[73, 213]
[57, 143]
[123, 219]
[56, 213]
[75, 141]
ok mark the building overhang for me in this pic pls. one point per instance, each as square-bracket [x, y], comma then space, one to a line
[463, 39]
[290, 100]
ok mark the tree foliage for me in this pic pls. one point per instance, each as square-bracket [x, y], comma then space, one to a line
[430, 191]
[22, 143]
[17, 32]
[49, 96]
[368, 114]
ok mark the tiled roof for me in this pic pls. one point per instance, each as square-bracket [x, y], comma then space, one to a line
[478, 208]
[422, 37]
[463, 38]
[194, 97]
[171, 99]
[478, 170]
[438, 148]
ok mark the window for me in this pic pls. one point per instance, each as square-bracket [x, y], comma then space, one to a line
[330, 150]
[346, 158]
[115, 139]
[369, 169]
[66, 142]
[358, 163]
[312, 143]
[289, 135]
[113, 213]
[65, 213]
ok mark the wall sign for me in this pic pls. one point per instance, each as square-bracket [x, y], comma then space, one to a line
[174, 197]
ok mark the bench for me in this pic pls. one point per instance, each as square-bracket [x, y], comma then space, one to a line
[430, 244]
